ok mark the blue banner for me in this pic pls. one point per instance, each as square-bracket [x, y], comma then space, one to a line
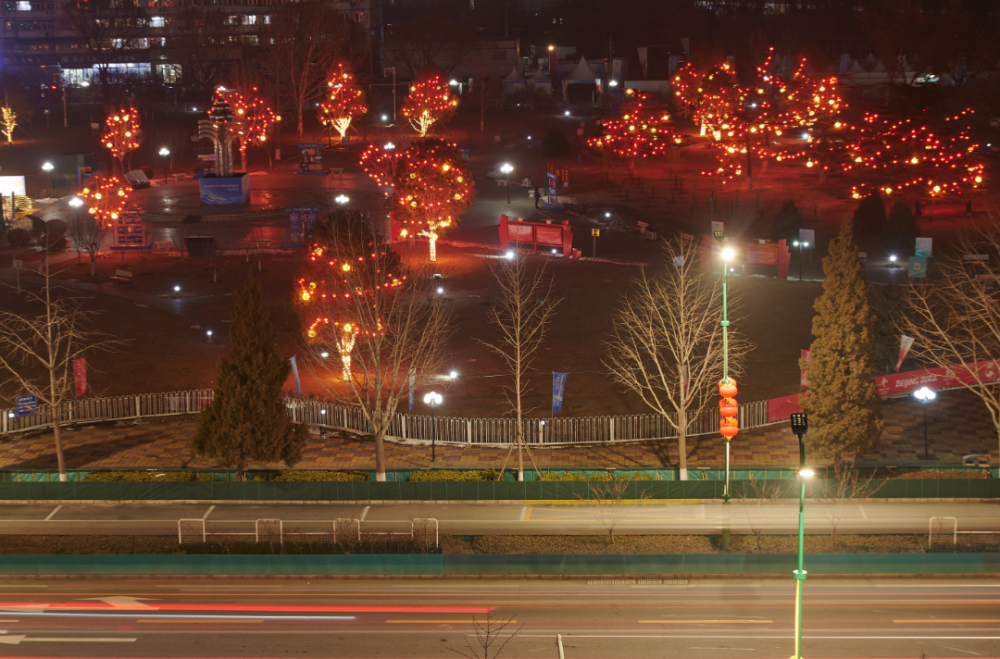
[558, 389]
[295, 372]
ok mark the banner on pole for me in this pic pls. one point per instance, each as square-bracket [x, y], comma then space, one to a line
[295, 372]
[80, 376]
[904, 347]
[804, 374]
[558, 389]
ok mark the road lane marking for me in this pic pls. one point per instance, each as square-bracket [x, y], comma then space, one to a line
[961, 650]
[184, 621]
[706, 622]
[932, 620]
[208, 512]
[435, 622]
[364, 512]
[53, 513]
[862, 509]
[524, 509]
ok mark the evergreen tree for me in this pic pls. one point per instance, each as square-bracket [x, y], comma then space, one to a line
[248, 420]
[555, 144]
[869, 216]
[901, 228]
[787, 222]
[845, 412]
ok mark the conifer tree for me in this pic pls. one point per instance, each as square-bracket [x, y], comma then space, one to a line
[869, 216]
[845, 412]
[901, 228]
[787, 222]
[248, 420]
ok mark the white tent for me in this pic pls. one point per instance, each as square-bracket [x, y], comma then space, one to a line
[515, 80]
[582, 73]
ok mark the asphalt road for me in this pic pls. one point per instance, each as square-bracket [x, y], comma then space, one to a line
[539, 518]
[396, 618]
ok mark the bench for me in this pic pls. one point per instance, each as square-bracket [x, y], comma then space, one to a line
[123, 276]
[164, 244]
[179, 177]
[339, 171]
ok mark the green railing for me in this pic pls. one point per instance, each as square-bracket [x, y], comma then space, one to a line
[509, 565]
[454, 491]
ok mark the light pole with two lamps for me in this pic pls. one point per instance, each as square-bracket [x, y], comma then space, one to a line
[925, 395]
[342, 200]
[433, 399]
[801, 244]
[506, 169]
[800, 424]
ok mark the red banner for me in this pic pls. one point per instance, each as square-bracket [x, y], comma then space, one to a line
[80, 376]
[757, 254]
[804, 374]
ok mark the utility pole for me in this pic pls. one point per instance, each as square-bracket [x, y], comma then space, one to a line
[393, 90]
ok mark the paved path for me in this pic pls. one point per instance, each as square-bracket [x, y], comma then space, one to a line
[958, 425]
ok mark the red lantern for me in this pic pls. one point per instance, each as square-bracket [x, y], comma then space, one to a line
[727, 407]
[728, 428]
[727, 388]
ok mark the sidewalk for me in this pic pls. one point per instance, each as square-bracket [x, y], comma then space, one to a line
[958, 425]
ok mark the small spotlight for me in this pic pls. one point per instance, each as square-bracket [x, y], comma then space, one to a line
[385, 118]
[607, 214]
[566, 113]
[440, 291]
[10, 415]
[453, 375]
[177, 289]
[529, 137]
[509, 255]
[324, 354]
[209, 332]
[892, 258]
[322, 411]
[553, 251]
[732, 269]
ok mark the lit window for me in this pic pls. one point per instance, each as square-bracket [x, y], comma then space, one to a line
[157, 21]
[23, 5]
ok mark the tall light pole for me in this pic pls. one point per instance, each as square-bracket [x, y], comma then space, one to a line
[164, 152]
[800, 424]
[801, 244]
[925, 395]
[393, 90]
[47, 168]
[433, 399]
[727, 255]
[507, 169]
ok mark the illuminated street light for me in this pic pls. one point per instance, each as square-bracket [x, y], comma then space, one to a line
[506, 168]
[433, 399]
[341, 199]
[925, 395]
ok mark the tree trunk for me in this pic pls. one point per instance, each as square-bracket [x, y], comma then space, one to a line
[682, 464]
[93, 259]
[60, 459]
[380, 455]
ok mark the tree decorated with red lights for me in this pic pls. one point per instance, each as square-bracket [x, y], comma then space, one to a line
[105, 197]
[710, 96]
[343, 101]
[430, 100]
[346, 259]
[433, 187]
[122, 134]
[380, 162]
[642, 132]
[252, 118]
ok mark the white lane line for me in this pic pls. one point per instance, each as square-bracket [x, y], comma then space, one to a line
[524, 511]
[862, 509]
[365, 512]
[961, 650]
[23, 586]
[208, 512]
[53, 513]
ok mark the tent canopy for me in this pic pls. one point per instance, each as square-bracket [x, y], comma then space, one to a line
[582, 73]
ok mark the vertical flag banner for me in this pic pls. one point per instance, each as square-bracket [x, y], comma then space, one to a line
[904, 347]
[804, 375]
[924, 247]
[413, 379]
[918, 267]
[558, 389]
[80, 376]
[295, 372]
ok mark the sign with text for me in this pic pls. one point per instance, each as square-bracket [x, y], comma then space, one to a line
[299, 220]
[130, 230]
[80, 376]
[807, 236]
[558, 391]
[917, 267]
[26, 405]
[924, 247]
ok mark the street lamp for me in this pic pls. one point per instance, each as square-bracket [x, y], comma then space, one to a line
[801, 244]
[433, 399]
[925, 395]
[800, 425]
[164, 152]
[342, 199]
[507, 169]
[47, 167]
[727, 255]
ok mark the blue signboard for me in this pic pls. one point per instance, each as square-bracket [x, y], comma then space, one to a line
[224, 190]
[299, 220]
[311, 159]
[130, 231]
[26, 405]
[558, 389]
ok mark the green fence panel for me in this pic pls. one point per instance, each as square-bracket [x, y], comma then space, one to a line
[420, 564]
[460, 565]
[771, 563]
[991, 563]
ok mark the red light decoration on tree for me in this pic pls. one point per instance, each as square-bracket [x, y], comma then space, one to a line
[643, 132]
[346, 258]
[105, 197]
[252, 118]
[380, 162]
[344, 100]
[728, 408]
[430, 100]
[433, 187]
[122, 134]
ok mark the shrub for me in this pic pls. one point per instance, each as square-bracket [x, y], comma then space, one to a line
[555, 144]
[300, 475]
[449, 475]
[869, 217]
[136, 476]
[596, 476]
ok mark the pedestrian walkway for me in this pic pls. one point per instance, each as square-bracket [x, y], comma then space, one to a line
[958, 425]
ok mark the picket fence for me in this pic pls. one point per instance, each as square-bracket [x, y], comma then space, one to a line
[410, 427]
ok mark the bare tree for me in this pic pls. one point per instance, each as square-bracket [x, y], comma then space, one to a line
[39, 345]
[666, 342]
[847, 489]
[612, 506]
[87, 235]
[400, 343]
[428, 41]
[486, 91]
[522, 312]
[302, 44]
[110, 29]
[956, 322]
[760, 499]
[490, 637]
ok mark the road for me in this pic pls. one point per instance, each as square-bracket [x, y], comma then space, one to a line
[397, 618]
[539, 518]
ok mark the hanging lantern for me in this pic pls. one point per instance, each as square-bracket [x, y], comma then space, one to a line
[727, 388]
[728, 408]
[728, 428]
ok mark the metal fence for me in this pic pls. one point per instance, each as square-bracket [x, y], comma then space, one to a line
[475, 432]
